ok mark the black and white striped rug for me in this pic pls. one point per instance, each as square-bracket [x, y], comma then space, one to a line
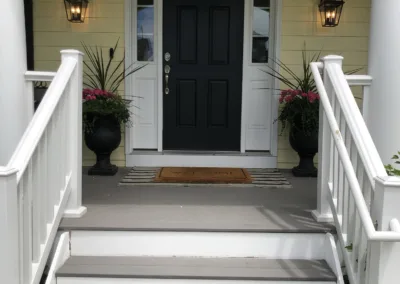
[269, 178]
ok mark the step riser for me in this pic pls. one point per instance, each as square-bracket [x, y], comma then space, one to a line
[198, 244]
[61, 280]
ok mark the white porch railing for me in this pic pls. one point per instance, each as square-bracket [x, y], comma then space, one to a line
[42, 182]
[354, 190]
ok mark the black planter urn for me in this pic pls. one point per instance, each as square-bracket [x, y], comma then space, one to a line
[103, 138]
[306, 147]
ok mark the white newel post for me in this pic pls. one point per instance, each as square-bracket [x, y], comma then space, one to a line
[384, 257]
[323, 212]
[74, 207]
[383, 66]
[9, 246]
[13, 109]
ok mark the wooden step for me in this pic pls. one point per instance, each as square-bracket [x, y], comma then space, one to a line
[83, 268]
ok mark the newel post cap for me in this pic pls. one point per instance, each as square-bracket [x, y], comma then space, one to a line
[388, 181]
[332, 59]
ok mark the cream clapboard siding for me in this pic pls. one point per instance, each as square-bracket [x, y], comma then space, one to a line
[300, 23]
[52, 32]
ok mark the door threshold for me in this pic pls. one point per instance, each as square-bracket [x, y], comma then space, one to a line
[148, 158]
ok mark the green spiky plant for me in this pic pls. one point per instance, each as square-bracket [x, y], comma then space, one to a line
[101, 98]
[392, 171]
[301, 102]
[101, 75]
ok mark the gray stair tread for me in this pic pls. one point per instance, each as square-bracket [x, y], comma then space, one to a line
[197, 268]
[123, 217]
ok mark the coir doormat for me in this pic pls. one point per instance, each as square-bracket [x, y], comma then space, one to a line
[265, 178]
[202, 175]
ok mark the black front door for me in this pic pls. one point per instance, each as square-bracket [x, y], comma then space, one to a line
[203, 50]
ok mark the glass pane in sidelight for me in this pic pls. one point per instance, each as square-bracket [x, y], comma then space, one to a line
[145, 30]
[261, 15]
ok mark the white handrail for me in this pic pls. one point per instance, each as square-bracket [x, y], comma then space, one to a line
[43, 180]
[39, 76]
[358, 80]
[349, 170]
[39, 122]
[362, 138]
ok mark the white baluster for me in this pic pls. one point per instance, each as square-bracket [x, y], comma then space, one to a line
[37, 204]
[27, 224]
[9, 226]
[74, 207]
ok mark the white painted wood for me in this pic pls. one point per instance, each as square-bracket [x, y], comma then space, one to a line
[13, 107]
[276, 26]
[63, 280]
[128, 84]
[332, 258]
[37, 126]
[9, 227]
[52, 228]
[30, 100]
[359, 132]
[366, 103]
[39, 76]
[157, 159]
[44, 181]
[323, 212]
[383, 67]
[74, 93]
[144, 85]
[374, 253]
[257, 93]
[384, 257]
[198, 244]
[160, 52]
[358, 80]
[61, 255]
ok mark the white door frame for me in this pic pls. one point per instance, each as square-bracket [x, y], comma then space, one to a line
[130, 56]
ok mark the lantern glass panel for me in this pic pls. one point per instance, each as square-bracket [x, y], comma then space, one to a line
[330, 11]
[76, 10]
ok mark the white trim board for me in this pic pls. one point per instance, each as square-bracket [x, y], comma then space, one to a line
[258, 132]
[166, 159]
[198, 244]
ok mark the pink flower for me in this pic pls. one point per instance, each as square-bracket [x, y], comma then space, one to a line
[288, 99]
[312, 97]
[90, 97]
[97, 92]
[87, 91]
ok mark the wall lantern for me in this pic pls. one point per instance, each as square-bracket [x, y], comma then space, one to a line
[331, 11]
[76, 10]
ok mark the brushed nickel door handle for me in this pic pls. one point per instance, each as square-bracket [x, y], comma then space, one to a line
[167, 70]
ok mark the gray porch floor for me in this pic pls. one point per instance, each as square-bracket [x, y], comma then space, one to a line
[113, 207]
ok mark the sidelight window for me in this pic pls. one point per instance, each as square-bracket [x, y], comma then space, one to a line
[261, 31]
[145, 30]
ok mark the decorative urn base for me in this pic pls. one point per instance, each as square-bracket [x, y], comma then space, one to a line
[306, 147]
[103, 139]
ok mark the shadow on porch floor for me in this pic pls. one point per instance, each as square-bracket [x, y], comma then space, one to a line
[113, 207]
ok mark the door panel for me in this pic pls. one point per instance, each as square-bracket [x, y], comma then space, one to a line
[202, 110]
